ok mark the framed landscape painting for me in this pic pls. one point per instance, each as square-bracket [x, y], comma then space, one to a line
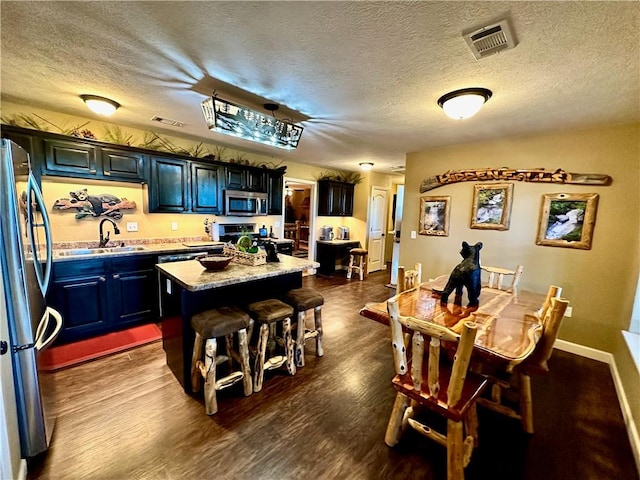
[434, 216]
[492, 206]
[567, 220]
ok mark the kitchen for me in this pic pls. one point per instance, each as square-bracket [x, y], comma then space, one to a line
[156, 67]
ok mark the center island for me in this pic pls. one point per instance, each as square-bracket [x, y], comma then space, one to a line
[187, 288]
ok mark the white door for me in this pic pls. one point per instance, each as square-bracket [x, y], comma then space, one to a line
[377, 228]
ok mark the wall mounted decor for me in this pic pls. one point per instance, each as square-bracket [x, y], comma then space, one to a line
[567, 220]
[94, 205]
[492, 206]
[503, 174]
[434, 216]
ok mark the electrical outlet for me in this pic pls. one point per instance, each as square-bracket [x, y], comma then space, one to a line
[276, 224]
[174, 226]
[413, 234]
[132, 226]
[568, 312]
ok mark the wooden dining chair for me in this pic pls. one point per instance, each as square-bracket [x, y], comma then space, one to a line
[433, 383]
[497, 277]
[408, 278]
[515, 381]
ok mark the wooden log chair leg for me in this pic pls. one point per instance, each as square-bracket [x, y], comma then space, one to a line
[526, 403]
[299, 353]
[259, 362]
[471, 424]
[288, 342]
[209, 373]
[455, 451]
[317, 319]
[395, 426]
[243, 348]
[196, 359]
[350, 267]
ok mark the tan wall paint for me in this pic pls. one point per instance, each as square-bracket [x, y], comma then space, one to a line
[600, 282]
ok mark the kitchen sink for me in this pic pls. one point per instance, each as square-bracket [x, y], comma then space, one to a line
[95, 251]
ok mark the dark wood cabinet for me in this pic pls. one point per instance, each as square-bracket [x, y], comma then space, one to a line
[275, 191]
[169, 185]
[239, 177]
[335, 199]
[62, 156]
[98, 296]
[206, 182]
[123, 164]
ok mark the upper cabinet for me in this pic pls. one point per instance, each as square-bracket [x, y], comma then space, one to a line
[335, 199]
[169, 185]
[239, 177]
[274, 190]
[207, 185]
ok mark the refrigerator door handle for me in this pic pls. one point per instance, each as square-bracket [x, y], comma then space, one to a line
[43, 276]
[41, 343]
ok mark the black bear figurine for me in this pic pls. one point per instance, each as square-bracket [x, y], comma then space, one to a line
[465, 274]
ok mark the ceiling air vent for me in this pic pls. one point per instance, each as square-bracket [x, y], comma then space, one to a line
[167, 121]
[490, 39]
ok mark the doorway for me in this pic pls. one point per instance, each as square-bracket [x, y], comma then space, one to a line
[299, 216]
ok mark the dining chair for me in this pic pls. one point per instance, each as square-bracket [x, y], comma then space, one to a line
[449, 390]
[513, 382]
[497, 276]
[409, 278]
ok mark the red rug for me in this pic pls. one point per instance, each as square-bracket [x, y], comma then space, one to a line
[71, 354]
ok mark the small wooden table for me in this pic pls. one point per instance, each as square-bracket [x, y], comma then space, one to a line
[508, 329]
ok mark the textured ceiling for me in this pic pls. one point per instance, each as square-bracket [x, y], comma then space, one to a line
[365, 75]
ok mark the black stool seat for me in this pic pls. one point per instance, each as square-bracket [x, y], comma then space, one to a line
[303, 298]
[269, 311]
[219, 322]
[358, 251]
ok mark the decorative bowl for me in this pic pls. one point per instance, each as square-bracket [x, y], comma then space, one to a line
[214, 262]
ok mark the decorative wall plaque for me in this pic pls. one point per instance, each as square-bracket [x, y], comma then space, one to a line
[94, 205]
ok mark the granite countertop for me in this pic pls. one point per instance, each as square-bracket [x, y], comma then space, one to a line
[192, 276]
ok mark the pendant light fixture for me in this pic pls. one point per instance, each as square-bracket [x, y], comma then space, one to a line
[100, 105]
[465, 103]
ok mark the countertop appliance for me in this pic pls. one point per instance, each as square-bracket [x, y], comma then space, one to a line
[343, 233]
[245, 204]
[326, 233]
[25, 274]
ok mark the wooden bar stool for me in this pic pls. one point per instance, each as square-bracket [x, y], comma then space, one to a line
[358, 262]
[302, 300]
[268, 313]
[222, 322]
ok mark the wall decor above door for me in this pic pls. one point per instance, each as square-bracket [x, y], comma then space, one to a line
[94, 205]
[503, 174]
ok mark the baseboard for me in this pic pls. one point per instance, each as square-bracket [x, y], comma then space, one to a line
[608, 358]
[22, 473]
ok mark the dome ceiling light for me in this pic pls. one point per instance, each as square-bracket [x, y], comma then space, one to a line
[366, 166]
[465, 103]
[100, 105]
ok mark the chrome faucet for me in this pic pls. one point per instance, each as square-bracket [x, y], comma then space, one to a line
[104, 240]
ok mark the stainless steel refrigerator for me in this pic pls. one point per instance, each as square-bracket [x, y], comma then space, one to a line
[25, 271]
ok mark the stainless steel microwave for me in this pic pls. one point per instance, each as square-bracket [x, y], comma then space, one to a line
[244, 204]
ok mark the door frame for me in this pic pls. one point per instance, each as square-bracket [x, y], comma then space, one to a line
[313, 211]
[385, 226]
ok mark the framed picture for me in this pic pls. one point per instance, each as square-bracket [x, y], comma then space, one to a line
[567, 220]
[492, 206]
[434, 216]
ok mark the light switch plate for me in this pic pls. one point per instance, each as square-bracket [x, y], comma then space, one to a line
[568, 312]
[174, 226]
[413, 234]
[132, 226]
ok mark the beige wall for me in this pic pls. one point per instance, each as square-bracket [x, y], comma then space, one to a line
[600, 282]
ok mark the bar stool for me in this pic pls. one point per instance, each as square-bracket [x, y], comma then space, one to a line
[302, 300]
[358, 262]
[268, 313]
[211, 325]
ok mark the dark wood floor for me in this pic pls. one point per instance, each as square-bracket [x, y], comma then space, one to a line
[126, 417]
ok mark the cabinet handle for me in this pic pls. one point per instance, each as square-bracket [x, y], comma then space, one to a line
[92, 170]
[102, 279]
[107, 173]
[116, 276]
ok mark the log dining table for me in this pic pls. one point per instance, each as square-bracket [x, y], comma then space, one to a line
[508, 328]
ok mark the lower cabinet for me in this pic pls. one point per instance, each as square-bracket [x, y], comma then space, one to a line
[98, 296]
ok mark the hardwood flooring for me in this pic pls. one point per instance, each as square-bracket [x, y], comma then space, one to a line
[126, 417]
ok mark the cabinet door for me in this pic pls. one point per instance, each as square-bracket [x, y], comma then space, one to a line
[256, 181]
[347, 200]
[169, 185]
[234, 177]
[275, 194]
[70, 157]
[122, 164]
[207, 188]
[83, 303]
[134, 297]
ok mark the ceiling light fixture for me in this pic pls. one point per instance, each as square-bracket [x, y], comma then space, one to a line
[100, 105]
[464, 103]
[366, 166]
[229, 118]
